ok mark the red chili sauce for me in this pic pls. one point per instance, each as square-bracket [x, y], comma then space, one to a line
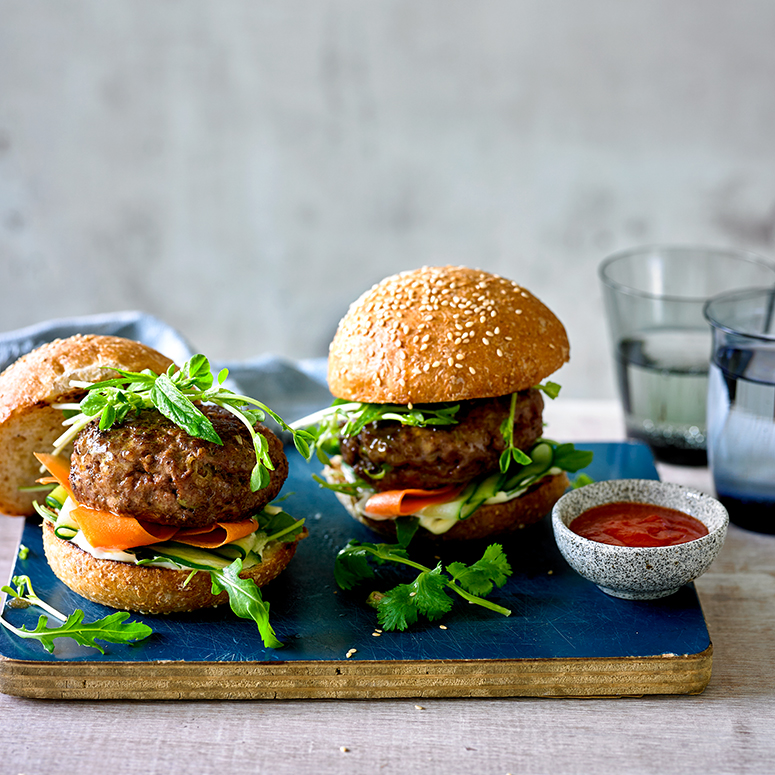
[637, 524]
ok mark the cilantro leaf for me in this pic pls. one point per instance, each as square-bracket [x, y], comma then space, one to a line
[427, 594]
[352, 565]
[245, 600]
[492, 569]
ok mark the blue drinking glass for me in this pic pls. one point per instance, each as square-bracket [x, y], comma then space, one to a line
[741, 406]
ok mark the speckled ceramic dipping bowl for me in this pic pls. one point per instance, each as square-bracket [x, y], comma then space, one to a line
[640, 573]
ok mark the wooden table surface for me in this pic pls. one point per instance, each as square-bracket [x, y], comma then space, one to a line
[727, 729]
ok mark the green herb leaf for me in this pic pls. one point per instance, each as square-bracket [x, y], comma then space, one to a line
[245, 600]
[492, 569]
[406, 528]
[567, 457]
[111, 629]
[175, 395]
[507, 431]
[349, 418]
[175, 406]
[427, 595]
[352, 565]
[551, 389]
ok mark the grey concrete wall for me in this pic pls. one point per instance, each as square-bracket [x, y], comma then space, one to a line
[244, 169]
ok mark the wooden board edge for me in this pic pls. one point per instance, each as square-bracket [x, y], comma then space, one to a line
[354, 679]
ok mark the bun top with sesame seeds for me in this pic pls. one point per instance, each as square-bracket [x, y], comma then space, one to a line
[444, 334]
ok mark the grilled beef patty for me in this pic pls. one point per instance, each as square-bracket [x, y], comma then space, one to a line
[432, 457]
[149, 468]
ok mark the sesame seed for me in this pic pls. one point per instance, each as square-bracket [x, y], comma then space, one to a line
[485, 340]
[500, 352]
[472, 369]
[458, 365]
[423, 347]
[518, 311]
[436, 364]
[450, 361]
[419, 707]
[442, 626]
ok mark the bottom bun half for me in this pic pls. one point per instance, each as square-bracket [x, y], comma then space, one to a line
[145, 589]
[486, 521]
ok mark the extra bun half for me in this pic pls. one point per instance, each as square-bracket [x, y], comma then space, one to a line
[28, 388]
[146, 589]
[486, 522]
[444, 334]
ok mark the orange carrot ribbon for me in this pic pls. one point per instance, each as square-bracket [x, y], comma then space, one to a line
[112, 532]
[401, 503]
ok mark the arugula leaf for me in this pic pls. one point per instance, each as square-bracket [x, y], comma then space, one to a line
[426, 595]
[245, 600]
[175, 395]
[111, 629]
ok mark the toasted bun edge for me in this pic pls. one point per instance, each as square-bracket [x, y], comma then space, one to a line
[30, 385]
[145, 589]
[488, 520]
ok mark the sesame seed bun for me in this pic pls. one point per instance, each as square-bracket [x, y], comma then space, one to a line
[146, 589]
[28, 388]
[444, 334]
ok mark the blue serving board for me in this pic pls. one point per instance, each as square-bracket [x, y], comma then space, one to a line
[564, 636]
